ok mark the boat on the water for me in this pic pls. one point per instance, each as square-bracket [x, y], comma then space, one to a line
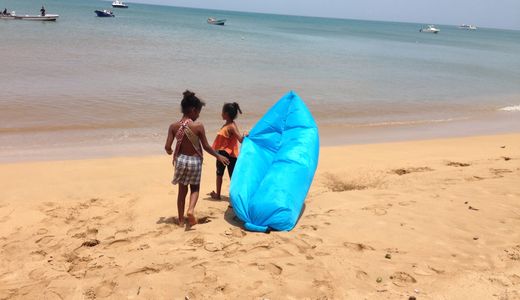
[37, 17]
[214, 21]
[429, 29]
[7, 16]
[104, 13]
[468, 27]
[119, 4]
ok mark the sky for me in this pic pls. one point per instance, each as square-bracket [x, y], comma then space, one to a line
[483, 13]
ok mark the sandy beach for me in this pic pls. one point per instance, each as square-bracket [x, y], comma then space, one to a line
[434, 219]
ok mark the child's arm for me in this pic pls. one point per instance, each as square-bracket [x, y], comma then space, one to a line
[169, 139]
[233, 130]
[209, 149]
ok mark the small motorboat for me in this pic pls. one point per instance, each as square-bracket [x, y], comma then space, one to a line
[119, 4]
[468, 27]
[429, 29]
[6, 15]
[46, 17]
[104, 13]
[214, 21]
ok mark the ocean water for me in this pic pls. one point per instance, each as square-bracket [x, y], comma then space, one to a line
[113, 85]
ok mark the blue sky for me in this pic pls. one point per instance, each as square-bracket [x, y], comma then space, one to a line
[484, 13]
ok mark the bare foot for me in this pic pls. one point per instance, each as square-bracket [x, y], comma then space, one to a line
[192, 220]
[181, 222]
[214, 195]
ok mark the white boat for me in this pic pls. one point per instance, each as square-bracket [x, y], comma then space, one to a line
[119, 4]
[214, 21]
[468, 27]
[47, 17]
[429, 29]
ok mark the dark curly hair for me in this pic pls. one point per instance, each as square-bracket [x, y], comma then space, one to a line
[232, 109]
[190, 101]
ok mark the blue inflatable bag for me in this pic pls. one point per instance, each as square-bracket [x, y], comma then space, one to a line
[275, 167]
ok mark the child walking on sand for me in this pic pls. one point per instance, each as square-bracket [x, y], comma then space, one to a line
[187, 156]
[226, 143]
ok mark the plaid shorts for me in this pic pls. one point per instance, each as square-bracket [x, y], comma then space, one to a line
[187, 170]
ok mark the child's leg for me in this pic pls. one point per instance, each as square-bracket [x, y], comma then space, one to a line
[231, 166]
[194, 196]
[220, 172]
[216, 195]
[181, 200]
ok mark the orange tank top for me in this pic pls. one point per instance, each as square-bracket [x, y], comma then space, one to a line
[227, 142]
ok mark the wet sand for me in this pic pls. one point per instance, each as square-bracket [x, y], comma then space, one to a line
[434, 219]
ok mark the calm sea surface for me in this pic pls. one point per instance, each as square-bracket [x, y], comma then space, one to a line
[111, 86]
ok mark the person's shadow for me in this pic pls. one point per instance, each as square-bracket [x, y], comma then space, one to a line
[232, 219]
[175, 221]
[222, 198]
[170, 220]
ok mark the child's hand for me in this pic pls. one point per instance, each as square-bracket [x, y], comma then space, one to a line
[169, 151]
[245, 134]
[223, 159]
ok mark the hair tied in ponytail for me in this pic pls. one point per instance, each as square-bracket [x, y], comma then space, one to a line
[237, 107]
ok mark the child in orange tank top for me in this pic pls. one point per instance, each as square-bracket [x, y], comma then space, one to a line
[226, 143]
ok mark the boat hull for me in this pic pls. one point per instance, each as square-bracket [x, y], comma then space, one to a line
[216, 22]
[120, 5]
[103, 14]
[37, 18]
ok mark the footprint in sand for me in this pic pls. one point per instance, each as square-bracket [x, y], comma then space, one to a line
[143, 247]
[499, 172]
[197, 241]
[213, 247]
[39, 254]
[422, 270]
[404, 171]
[89, 294]
[336, 183]
[105, 289]
[273, 269]
[45, 240]
[457, 164]
[513, 253]
[501, 281]
[310, 227]
[235, 232]
[117, 243]
[515, 279]
[303, 242]
[402, 279]
[152, 269]
[377, 209]
[474, 178]
[362, 275]
[42, 231]
[358, 246]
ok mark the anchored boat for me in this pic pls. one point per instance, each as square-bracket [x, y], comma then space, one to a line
[119, 4]
[37, 17]
[429, 29]
[468, 27]
[104, 13]
[214, 21]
